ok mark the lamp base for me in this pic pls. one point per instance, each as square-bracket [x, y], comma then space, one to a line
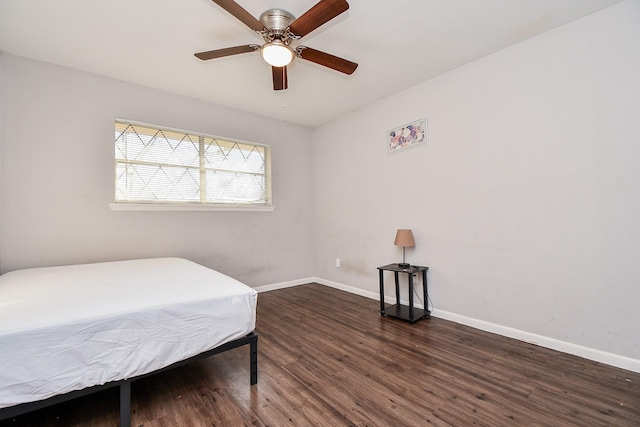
[403, 265]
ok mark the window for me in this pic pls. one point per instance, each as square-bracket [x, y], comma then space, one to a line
[157, 165]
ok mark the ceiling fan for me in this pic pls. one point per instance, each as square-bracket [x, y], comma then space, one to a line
[279, 29]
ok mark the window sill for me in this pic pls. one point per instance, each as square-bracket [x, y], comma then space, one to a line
[187, 207]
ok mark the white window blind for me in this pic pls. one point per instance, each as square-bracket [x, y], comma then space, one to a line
[162, 165]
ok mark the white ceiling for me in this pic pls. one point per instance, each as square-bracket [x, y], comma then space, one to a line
[397, 44]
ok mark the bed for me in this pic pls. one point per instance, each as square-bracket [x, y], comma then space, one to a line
[72, 330]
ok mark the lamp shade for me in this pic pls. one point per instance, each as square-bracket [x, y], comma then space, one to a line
[277, 54]
[404, 238]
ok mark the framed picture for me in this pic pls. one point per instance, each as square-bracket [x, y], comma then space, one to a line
[411, 135]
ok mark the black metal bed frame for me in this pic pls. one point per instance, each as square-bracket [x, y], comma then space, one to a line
[125, 385]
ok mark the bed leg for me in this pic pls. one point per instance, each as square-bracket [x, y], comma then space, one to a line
[125, 404]
[254, 360]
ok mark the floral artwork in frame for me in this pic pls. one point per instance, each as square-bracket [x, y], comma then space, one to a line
[411, 135]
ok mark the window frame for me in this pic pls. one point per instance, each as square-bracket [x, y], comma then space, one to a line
[168, 205]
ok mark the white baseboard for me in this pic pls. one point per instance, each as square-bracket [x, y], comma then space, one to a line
[282, 285]
[540, 340]
[543, 341]
[350, 289]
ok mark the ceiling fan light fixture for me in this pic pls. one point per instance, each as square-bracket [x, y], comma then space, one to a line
[277, 54]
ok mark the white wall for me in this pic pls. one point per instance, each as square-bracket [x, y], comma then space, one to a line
[524, 204]
[57, 175]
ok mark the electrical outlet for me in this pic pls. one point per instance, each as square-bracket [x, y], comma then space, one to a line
[337, 262]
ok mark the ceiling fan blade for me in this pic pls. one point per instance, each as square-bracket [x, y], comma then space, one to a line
[326, 60]
[242, 15]
[279, 78]
[227, 51]
[323, 12]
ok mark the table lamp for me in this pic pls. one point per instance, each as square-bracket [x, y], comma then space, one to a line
[404, 238]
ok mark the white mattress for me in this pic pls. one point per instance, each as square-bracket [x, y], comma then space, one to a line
[72, 327]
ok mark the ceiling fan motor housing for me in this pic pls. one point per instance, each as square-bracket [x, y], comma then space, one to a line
[276, 21]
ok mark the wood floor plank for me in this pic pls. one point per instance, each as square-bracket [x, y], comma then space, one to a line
[327, 358]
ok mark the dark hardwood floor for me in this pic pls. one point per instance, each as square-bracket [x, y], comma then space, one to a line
[326, 358]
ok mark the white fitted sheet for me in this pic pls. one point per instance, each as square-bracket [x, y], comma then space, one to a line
[72, 327]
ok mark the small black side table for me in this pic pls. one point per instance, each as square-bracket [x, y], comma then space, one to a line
[401, 311]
